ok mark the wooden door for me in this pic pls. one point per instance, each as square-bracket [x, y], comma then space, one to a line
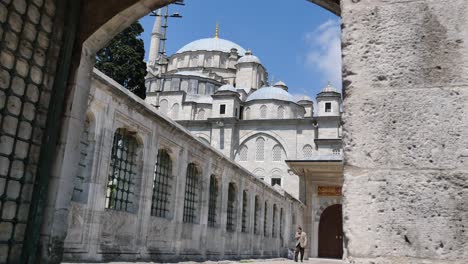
[331, 233]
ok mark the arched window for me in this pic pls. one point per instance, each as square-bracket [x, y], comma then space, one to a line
[277, 153]
[280, 112]
[265, 218]
[247, 113]
[163, 106]
[245, 205]
[281, 223]
[201, 114]
[175, 111]
[194, 61]
[243, 153]
[260, 149]
[263, 111]
[162, 184]
[307, 151]
[273, 221]
[191, 194]
[231, 208]
[212, 201]
[120, 193]
[257, 215]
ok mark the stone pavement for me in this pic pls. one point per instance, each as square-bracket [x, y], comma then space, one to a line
[247, 261]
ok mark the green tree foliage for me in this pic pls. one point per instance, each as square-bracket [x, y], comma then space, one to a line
[122, 60]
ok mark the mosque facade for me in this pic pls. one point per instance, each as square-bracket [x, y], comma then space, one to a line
[220, 92]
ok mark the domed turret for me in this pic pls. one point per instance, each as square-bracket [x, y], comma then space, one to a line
[249, 58]
[329, 101]
[308, 104]
[250, 72]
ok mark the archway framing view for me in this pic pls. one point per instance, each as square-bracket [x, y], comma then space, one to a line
[396, 55]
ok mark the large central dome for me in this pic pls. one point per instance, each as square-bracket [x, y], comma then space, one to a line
[212, 44]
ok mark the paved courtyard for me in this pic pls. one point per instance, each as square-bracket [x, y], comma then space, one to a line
[248, 261]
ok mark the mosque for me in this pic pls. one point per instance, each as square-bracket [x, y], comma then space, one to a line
[220, 92]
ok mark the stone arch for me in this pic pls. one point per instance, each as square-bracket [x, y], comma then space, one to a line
[266, 134]
[203, 137]
[97, 30]
[324, 206]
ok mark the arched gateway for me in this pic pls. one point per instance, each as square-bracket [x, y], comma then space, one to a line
[330, 242]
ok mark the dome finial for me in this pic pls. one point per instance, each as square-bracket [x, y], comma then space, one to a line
[217, 30]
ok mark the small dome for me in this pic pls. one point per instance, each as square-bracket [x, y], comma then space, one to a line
[268, 93]
[304, 98]
[227, 87]
[281, 85]
[249, 58]
[212, 44]
[329, 89]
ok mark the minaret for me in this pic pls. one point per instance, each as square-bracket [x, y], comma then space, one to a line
[156, 36]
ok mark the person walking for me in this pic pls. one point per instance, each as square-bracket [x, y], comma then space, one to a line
[301, 243]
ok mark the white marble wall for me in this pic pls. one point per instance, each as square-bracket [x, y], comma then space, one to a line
[99, 234]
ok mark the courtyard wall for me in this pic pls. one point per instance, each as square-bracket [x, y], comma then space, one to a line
[97, 233]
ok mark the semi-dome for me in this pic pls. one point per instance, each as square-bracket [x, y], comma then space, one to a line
[227, 87]
[249, 58]
[212, 44]
[268, 93]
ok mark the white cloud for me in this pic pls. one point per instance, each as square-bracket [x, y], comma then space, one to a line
[324, 52]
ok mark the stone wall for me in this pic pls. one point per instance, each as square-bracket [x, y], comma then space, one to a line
[405, 133]
[30, 43]
[99, 234]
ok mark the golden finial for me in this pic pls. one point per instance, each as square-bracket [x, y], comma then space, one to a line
[217, 30]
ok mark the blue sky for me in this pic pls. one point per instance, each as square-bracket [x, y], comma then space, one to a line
[298, 43]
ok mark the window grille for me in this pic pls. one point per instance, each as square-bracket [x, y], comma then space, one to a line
[265, 218]
[276, 181]
[336, 151]
[244, 211]
[273, 222]
[307, 151]
[230, 225]
[277, 153]
[119, 195]
[213, 201]
[175, 111]
[247, 113]
[260, 151]
[280, 112]
[243, 153]
[263, 111]
[201, 114]
[191, 193]
[257, 215]
[161, 184]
